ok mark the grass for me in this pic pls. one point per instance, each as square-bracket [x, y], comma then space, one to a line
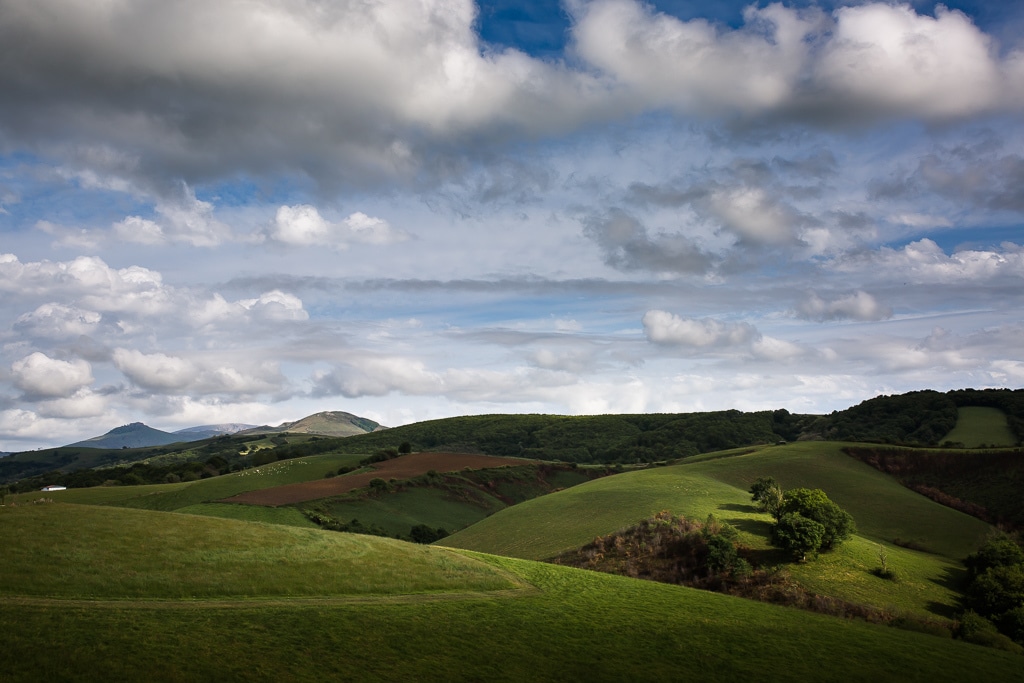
[572, 625]
[250, 513]
[397, 512]
[977, 426]
[70, 551]
[884, 511]
[170, 497]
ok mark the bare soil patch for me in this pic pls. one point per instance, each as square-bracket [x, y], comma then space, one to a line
[403, 467]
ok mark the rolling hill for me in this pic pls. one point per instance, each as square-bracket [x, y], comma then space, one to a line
[144, 595]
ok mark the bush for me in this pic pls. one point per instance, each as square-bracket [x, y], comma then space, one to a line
[837, 524]
[798, 535]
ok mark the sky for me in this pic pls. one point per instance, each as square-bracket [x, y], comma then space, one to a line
[253, 210]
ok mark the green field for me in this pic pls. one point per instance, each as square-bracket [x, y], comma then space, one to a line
[977, 426]
[102, 594]
[170, 497]
[884, 511]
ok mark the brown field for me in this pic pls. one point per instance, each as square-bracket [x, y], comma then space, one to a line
[403, 467]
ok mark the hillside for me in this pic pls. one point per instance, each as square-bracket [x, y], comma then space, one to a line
[885, 512]
[140, 595]
[589, 438]
[134, 435]
[329, 423]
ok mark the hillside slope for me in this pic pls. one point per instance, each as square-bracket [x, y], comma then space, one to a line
[328, 423]
[332, 606]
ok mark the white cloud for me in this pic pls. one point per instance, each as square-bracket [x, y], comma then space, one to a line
[302, 225]
[888, 58]
[56, 320]
[155, 371]
[38, 375]
[668, 329]
[754, 216]
[692, 65]
[140, 230]
[924, 262]
[856, 306]
[82, 404]
[776, 350]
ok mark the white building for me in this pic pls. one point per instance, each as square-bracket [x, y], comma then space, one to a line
[54, 487]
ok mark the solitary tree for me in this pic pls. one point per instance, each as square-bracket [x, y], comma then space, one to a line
[4, 490]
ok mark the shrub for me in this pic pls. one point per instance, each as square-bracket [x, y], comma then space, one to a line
[798, 535]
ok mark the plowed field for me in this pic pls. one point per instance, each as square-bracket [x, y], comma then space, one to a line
[404, 467]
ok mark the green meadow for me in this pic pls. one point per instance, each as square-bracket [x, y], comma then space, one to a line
[978, 426]
[886, 514]
[102, 594]
[171, 497]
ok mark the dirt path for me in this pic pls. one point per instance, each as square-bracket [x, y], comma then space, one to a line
[403, 467]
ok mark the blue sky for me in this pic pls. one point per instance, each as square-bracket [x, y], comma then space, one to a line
[253, 211]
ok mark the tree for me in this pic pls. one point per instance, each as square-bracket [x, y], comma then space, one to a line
[813, 504]
[4, 491]
[767, 493]
[405, 447]
[799, 535]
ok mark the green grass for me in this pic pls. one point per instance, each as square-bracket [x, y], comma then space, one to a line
[572, 625]
[170, 497]
[250, 513]
[71, 551]
[883, 510]
[978, 426]
[396, 513]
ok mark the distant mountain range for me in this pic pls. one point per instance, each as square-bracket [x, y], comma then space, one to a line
[139, 435]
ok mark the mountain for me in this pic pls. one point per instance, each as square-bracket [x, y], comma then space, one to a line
[328, 423]
[134, 435]
[210, 431]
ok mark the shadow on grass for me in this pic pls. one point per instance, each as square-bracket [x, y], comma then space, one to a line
[954, 579]
[758, 527]
[735, 507]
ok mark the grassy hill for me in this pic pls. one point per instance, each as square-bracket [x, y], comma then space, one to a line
[328, 423]
[144, 595]
[979, 426]
[198, 497]
[886, 513]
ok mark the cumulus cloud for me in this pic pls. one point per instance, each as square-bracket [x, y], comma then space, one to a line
[925, 262]
[856, 306]
[57, 320]
[626, 245]
[383, 89]
[688, 64]
[40, 376]
[888, 59]
[302, 225]
[155, 371]
[668, 329]
[209, 374]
